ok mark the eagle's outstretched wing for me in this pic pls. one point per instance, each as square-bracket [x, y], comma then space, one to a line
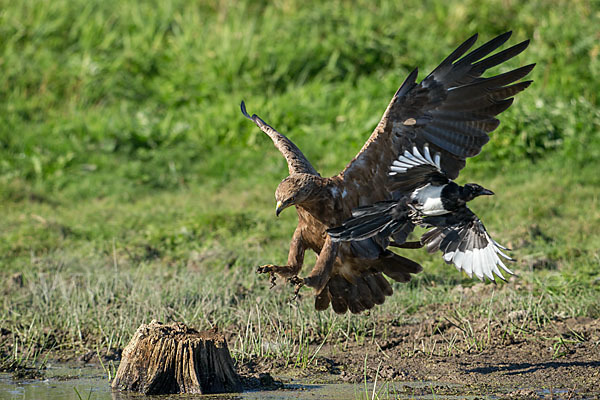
[452, 110]
[465, 243]
[297, 162]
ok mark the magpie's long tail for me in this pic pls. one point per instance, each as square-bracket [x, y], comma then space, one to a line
[382, 219]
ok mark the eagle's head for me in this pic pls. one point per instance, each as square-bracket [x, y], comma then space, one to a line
[293, 190]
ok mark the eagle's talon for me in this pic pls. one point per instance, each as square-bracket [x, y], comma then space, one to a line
[298, 282]
[268, 269]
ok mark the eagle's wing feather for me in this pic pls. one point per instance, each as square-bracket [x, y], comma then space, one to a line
[297, 162]
[466, 243]
[452, 110]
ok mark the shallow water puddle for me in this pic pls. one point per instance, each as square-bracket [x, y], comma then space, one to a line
[99, 389]
[58, 383]
[90, 383]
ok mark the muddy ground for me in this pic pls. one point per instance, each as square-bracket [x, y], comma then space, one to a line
[540, 364]
[559, 361]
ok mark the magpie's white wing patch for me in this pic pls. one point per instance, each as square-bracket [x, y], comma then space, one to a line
[470, 248]
[410, 160]
[428, 200]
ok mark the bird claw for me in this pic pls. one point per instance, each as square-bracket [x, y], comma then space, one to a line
[268, 269]
[294, 280]
[416, 217]
[298, 282]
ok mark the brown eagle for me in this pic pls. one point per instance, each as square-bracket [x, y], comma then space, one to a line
[451, 111]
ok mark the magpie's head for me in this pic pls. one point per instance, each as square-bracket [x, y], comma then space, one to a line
[472, 190]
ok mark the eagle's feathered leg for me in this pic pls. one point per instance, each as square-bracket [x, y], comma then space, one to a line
[294, 264]
[320, 274]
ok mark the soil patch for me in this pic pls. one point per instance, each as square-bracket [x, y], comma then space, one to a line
[517, 359]
[562, 361]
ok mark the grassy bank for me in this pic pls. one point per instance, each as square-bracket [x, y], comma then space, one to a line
[132, 188]
[95, 272]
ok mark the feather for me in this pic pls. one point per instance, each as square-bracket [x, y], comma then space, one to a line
[352, 298]
[337, 294]
[339, 305]
[366, 249]
[322, 300]
[460, 50]
[408, 84]
[467, 265]
[464, 241]
[383, 284]
[379, 218]
[376, 293]
[364, 293]
[500, 57]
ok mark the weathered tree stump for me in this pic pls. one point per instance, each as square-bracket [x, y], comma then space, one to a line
[163, 359]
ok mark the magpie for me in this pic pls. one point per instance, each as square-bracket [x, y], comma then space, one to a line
[429, 199]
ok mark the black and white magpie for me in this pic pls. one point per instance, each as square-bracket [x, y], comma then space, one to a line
[430, 199]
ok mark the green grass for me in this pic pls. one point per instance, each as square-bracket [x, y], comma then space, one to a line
[131, 187]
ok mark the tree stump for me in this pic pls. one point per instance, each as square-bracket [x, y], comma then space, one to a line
[164, 359]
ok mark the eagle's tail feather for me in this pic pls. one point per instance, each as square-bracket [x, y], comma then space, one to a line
[397, 267]
[322, 300]
[369, 289]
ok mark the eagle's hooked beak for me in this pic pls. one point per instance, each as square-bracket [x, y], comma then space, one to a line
[279, 208]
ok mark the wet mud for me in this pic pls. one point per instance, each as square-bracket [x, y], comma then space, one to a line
[562, 361]
[439, 357]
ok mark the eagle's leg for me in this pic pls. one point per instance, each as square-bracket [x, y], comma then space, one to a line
[294, 264]
[320, 274]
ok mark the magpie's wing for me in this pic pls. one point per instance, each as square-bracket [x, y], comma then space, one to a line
[382, 219]
[452, 110]
[391, 218]
[412, 170]
[465, 242]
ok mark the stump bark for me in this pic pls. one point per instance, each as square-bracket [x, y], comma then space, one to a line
[164, 359]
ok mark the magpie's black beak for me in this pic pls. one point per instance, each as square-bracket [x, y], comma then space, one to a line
[486, 192]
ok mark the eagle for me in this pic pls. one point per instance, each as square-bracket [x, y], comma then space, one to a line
[451, 111]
